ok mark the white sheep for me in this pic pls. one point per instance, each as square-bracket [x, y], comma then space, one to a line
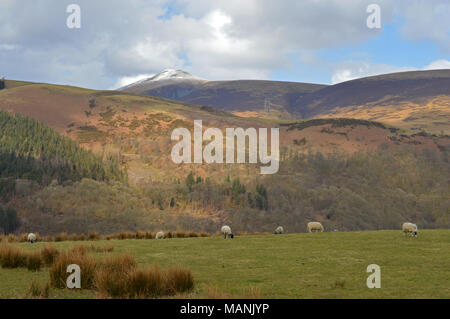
[159, 235]
[31, 237]
[409, 228]
[226, 231]
[314, 227]
[279, 230]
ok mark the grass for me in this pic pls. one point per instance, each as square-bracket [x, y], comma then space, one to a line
[58, 270]
[37, 291]
[318, 265]
[127, 281]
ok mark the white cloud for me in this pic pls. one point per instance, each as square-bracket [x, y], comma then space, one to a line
[223, 39]
[126, 80]
[351, 70]
[8, 46]
[427, 20]
[358, 69]
[438, 64]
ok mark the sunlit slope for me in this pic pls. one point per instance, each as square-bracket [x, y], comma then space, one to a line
[412, 100]
[237, 96]
[367, 175]
[137, 129]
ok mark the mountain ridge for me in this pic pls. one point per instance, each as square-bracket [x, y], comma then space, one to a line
[416, 100]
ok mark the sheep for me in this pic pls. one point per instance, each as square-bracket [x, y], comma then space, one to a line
[31, 237]
[279, 230]
[226, 231]
[314, 227]
[409, 228]
[159, 235]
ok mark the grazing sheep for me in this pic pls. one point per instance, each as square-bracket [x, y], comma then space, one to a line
[409, 228]
[159, 235]
[314, 227]
[279, 230]
[31, 237]
[226, 231]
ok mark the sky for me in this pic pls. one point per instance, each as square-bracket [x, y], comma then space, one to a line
[315, 41]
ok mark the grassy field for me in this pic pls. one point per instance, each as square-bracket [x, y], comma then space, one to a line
[318, 265]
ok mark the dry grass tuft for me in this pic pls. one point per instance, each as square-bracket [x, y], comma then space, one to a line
[49, 255]
[12, 238]
[34, 260]
[338, 284]
[119, 278]
[111, 279]
[179, 280]
[12, 257]
[61, 237]
[37, 291]
[58, 271]
[93, 236]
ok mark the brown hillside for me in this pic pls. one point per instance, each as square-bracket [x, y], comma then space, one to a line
[137, 129]
[413, 100]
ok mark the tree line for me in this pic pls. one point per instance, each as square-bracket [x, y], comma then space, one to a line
[32, 150]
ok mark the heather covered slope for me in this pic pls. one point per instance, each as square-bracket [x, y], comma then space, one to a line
[350, 174]
[417, 100]
[237, 95]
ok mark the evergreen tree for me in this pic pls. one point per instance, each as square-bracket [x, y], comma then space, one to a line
[190, 181]
[236, 189]
[9, 221]
[32, 150]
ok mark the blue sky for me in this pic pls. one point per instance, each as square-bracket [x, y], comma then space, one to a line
[319, 41]
[388, 47]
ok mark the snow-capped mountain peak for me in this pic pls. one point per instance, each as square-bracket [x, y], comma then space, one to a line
[172, 74]
[168, 75]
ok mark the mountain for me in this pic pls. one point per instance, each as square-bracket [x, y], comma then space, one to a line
[238, 95]
[170, 83]
[166, 77]
[350, 174]
[417, 101]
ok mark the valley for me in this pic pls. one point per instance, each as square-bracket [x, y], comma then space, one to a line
[349, 173]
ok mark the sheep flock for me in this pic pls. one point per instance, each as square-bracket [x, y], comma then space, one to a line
[312, 227]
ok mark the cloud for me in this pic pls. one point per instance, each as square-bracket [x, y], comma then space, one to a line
[427, 20]
[223, 39]
[356, 69]
[438, 64]
[126, 80]
[351, 70]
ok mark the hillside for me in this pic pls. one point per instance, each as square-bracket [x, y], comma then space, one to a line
[33, 151]
[238, 96]
[414, 101]
[136, 129]
[350, 174]
[417, 100]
